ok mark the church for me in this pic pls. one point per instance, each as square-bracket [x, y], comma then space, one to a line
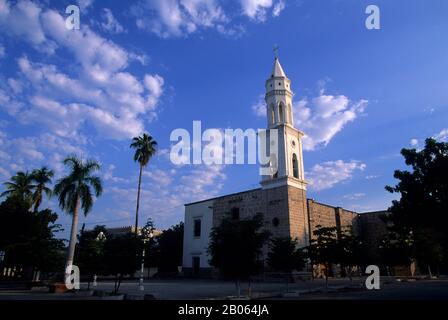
[281, 198]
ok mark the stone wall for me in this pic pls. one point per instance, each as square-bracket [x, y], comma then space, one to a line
[298, 216]
[320, 215]
[287, 212]
[284, 210]
[328, 216]
[248, 202]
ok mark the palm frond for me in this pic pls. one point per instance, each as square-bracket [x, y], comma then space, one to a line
[74, 189]
[95, 182]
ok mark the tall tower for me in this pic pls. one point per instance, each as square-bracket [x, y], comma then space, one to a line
[285, 187]
[289, 158]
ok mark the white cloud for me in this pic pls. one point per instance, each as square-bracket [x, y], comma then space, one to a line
[354, 196]
[160, 177]
[442, 135]
[163, 196]
[259, 108]
[235, 31]
[179, 18]
[324, 116]
[90, 49]
[321, 118]
[23, 21]
[108, 175]
[110, 23]
[258, 9]
[15, 85]
[28, 148]
[370, 177]
[413, 142]
[85, 4]
[328, 174]
[175, 18]
[100, 89]
[278, 8]
[5, 174]
[154, 83]
[25, 153]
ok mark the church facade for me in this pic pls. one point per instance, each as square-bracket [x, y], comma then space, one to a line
[281, 199]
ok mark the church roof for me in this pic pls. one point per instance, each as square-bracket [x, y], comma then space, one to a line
[278, 70]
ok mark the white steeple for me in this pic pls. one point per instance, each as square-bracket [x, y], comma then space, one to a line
[279, 97]
[278, 70]
[289, 159]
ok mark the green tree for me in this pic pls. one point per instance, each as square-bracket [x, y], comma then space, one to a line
[121, 257]
[151, 244]
[396, 249]
[29, 237]
[235, 247]
[350, 251]
[41, 177]
[145, 147]
[324, 248]
[20, 186]
[423, 205]
[285, 256]
[170, 246]
[91, 252]
[75, 191]
[429, 251]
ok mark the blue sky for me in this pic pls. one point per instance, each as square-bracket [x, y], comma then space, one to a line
[157, 65]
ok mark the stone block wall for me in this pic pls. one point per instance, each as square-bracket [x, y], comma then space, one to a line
[298, 216]
[320, 215]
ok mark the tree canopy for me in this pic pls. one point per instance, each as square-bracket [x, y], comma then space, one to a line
[29, 237]
[284, 255]
[235, 246]
[169, 248]
[423, 205]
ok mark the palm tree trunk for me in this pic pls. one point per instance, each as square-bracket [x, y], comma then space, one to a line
[138, 198]
[72, 244]
[37, 203]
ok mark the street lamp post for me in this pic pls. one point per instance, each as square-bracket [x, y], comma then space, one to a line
[100, 237]
[146, 235]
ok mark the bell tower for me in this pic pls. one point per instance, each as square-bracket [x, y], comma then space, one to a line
[284, 187]
[287, 164]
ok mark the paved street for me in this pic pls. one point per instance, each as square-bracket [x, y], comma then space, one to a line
[210, 289]
[418, 290]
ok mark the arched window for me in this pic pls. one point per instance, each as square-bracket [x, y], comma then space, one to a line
[295, 166]
[281, 113]
[272, 114]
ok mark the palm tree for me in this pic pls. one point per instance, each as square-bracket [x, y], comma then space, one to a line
[20, 186]
[75, 192]
[41, 177]
[145, 147]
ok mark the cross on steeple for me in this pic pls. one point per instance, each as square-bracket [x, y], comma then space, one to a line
[276, 47]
